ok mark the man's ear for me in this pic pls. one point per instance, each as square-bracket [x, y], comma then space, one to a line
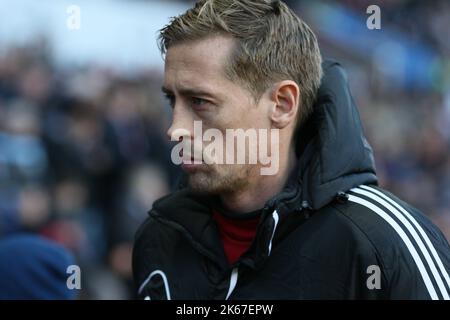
[285, 95]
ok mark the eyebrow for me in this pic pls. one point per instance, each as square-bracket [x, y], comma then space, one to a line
[190, 92]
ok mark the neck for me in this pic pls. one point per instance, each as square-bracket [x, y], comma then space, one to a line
[261, 189]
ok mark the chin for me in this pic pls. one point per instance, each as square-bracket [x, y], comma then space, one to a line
[215, 183]
[205, 184]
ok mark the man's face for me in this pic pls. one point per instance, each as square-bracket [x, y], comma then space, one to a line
[196, 85]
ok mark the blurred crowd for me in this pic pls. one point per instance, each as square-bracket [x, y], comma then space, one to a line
[424, 21]
[83, 152]
[83, 157]
[409, 127]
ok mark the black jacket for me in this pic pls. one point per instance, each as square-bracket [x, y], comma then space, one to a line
[330, 234]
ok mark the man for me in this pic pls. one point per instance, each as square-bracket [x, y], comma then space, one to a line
[319, 228]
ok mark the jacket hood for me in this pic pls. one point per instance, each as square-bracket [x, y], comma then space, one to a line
[334, 155]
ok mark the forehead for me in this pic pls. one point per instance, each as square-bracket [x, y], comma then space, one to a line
[199, 62]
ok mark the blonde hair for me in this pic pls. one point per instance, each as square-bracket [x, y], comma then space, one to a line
[272, 43]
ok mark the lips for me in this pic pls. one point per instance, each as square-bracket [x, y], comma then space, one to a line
[193, 161]
[191, 167]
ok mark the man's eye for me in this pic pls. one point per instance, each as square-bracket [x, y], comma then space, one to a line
[198, 102]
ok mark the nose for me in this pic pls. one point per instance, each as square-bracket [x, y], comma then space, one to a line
[181, 126]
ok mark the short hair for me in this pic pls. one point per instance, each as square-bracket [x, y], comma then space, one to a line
[272, 44]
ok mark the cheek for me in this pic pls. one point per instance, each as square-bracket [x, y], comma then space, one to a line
[241, 118]
[219, 120]
[251, 118]
[236, 115]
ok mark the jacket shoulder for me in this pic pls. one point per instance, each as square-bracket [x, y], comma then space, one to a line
[414, 254]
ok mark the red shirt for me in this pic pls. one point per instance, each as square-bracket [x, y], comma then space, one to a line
[236, 234]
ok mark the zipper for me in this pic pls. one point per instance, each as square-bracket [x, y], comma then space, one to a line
[276, 218]
[235, 270]
[233, 281]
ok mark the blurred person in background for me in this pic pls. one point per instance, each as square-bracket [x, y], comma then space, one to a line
[66, 157]
[33, 267]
